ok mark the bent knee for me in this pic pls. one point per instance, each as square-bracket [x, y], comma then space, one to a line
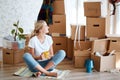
[26, 55]
[62, 53]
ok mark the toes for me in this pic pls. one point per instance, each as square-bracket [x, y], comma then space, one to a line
[37, 74]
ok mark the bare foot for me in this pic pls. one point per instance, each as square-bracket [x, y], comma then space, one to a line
[53, 74]
[38, 74]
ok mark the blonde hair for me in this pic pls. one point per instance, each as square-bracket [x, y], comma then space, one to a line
[38, 25]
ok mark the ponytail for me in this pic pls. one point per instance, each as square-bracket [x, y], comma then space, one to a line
[32, 34]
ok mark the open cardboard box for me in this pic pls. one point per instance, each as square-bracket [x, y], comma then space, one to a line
[102, 63]
[80, 57]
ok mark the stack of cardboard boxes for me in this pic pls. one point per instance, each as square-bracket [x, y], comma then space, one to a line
[95, 29]
[95, 24]
[11, 53]
[81, 47]
[94, 40]
[58, 29]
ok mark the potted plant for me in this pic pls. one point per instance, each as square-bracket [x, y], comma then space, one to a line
[18, 35]
[17, 32]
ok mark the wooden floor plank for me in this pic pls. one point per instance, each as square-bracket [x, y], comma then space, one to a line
[6, 72]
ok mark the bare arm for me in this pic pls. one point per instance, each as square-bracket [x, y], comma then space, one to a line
[31, 50]
[51, 51]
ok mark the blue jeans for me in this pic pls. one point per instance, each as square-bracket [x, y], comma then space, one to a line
[32, 63]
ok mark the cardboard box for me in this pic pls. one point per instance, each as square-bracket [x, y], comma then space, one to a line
[100, 45]
[1, 55]
[11, 56]
[92, 9]
[58, 7]
[102, 63]
[59, 24]
[80, 57]
[83, 45]
[95, 27]
[59, 43]
[114, 43]
[70, 44]
[80, 32]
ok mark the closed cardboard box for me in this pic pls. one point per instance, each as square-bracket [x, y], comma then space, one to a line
[78, 31]
[59, 24]
[92, 9]
[95, 27]
[59, 43]
[115, 45]
[80, 57]
[11, 56]
[58, 7]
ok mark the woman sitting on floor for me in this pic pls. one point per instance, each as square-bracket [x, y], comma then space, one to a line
[40, 58]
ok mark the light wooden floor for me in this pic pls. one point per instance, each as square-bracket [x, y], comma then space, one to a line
[6, 72]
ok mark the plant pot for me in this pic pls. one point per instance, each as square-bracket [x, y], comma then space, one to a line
[21, 44]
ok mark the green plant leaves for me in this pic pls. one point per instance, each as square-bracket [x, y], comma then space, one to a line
[15, 24]
[17, 32]
[13, 31]
[20, 30]
[21, 36]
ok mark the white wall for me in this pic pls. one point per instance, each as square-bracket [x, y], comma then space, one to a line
[26, 11]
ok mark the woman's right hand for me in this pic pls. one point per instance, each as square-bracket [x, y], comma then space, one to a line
[42, 57]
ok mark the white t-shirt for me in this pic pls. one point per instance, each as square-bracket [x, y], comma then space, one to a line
[40, 47]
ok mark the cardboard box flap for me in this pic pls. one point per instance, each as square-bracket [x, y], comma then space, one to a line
[100, 45]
